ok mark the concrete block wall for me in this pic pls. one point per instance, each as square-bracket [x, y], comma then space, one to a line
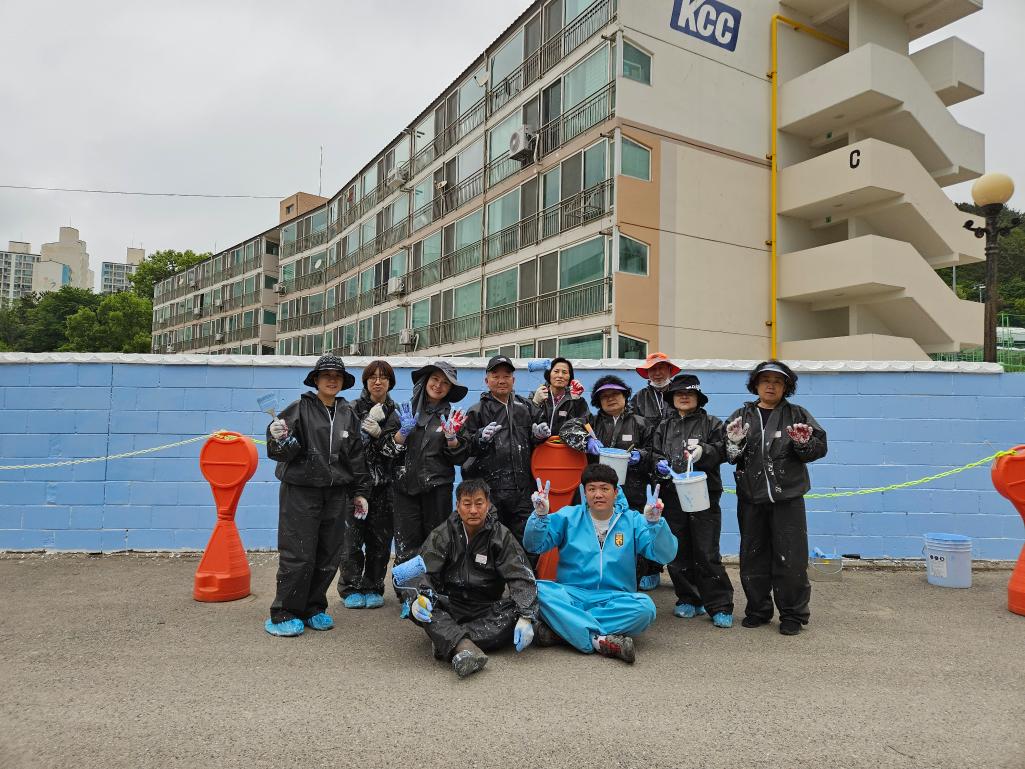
[884, 427]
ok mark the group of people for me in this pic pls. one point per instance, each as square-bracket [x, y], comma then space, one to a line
[356, 475]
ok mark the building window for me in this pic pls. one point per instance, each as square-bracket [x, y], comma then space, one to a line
[582, 263]
[636, 160]
[633, 256]
[636, 64]
[586, 346]
[289, 209]
[632, 349]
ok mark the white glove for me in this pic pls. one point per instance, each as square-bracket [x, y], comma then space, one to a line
[736, 431]
[693, 453]
[540, 498]
[360, 508]
[422, 609]
[377, 412]
[542, 431]
[540, 395]
[523, 633]
[278, 430]
[371, 427]
[489, 432]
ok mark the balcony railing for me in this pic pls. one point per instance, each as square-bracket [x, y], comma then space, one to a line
[592, 298]
[239, 334]
[304, 243]
[502, 168]
[457, 262]
[299, 322]
[449, 136]
[448, 200]
[582, 28]
[593, 110]
[453, 330]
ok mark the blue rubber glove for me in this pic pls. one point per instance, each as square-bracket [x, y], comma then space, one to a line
[407, 420]
[542, 364]
[422, 609]
[523, 634]
[663, 468]
[594, 445]
[635, 457]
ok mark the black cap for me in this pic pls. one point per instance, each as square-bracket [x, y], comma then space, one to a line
[500, 360]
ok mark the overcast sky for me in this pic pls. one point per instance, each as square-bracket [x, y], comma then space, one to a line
[237, 97]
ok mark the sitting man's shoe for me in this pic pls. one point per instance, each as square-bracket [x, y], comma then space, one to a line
[468, 658]
[618, 646]
[649, 581]
[722, 619]
[373, 600]
[355, 601]
[286, 629]
[789, 627]
[545, 636]
[688, 610]
[321, 621]
[753, 622]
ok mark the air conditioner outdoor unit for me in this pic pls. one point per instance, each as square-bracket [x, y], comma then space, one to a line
[521, 143]
[220, 305]
[169, 348]
[280, 288]
[407, 337]
[396, 178]
[396, 286]
[219, 338]
[354, 348]
[194, 284]
[197, 311]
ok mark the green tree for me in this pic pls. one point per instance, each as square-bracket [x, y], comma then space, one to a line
[45, 321]
[160, 265]
[120, 323]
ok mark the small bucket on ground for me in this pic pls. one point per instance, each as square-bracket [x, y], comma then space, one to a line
[692, 489]
[617, 459]
[948, 560]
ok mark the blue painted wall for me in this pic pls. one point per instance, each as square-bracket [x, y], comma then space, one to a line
[884, 428]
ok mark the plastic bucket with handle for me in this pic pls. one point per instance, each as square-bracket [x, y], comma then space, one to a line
[948, 560]
[617, 459]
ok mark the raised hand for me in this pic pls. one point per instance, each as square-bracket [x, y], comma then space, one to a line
[360, 508]
[371, 427]
[540, 395]
[489, 432]
[736, 431]
[799, 433]
[541, 431]
[693, 454]
[377, 412]
[540, 498]
[407, 419]
[576, 389]
[453, 424]
[278, 430]
[653, 506]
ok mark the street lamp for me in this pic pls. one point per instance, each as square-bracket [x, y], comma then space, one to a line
[990, 192]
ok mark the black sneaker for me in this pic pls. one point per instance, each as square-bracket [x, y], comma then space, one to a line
[468, 662]
[753, 622]
[618, 646]
[545, 636]
[789, 627]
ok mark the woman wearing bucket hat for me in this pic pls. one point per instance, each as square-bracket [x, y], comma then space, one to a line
[650, 402]
[771, 440]
[689, 433]
[323, 474]
[428, 448]
[560, 396]
[366, 545]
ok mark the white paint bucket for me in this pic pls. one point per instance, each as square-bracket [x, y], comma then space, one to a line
[948, 560]
[692, 489]
[617, 459]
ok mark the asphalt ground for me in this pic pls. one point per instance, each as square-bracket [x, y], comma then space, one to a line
[108, 662]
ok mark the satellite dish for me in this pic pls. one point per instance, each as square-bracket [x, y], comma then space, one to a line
[318, 264]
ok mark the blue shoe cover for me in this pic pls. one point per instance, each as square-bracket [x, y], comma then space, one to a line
[722, 619]
[286, 629]
[321, 621]
[688, 610]
[650, 581]
[404, 611]
[355, 601]
[373, 600]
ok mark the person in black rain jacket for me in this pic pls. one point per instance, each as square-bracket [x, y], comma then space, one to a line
[559, 398]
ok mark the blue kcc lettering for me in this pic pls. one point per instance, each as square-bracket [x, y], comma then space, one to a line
[708, 20]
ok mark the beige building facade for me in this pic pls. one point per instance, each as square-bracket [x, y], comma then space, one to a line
[63, 262]
[710, 179]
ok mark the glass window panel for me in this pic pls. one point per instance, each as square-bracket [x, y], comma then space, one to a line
[423, 194]
[636, 64]
[573, 8]
[471, 160]
[586, 346]
[470, 92]
[370, 179]
[402, 150]
[503, 212]
[468, 229]
[594, 165]
[636, 160]
[498, 141]
[431, 248]
[550, 189]
[466, 300]
[398, 265]
[288, 233]
[424, 133]
[320, 220]
[421, 314]
[586, 78]
[352, 241]
[508, 58]
[316, 302]
[632, 349]
[527, 350]
[368, 230]
[400, 208]
[633, 256]
[396, 320]
[582, 263]
[366, 280]
[329, 301]
[501, 288]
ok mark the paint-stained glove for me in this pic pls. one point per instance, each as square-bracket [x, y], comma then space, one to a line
[663, 469]
[422, 609]
[371, 427]
[737, 431]
[576, 389]
[542, 431]
[635, 457]
[540, 395]
[377, 412]
[653, 506]
[594, 445]
[278, 430]
[523, 633]
[407, 420]
[489, 432]
[360, 508]
[453, 424]
[799, 433]
[540, 498]
[693, 454]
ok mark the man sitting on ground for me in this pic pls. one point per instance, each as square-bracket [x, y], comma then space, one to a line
[593, 606]
[470, 559]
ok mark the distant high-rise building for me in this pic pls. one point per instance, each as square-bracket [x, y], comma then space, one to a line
[16, 267]
[62, 263]
[114, 275]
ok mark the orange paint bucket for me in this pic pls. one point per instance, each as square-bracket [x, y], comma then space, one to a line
[554, 461]
[1008, 475]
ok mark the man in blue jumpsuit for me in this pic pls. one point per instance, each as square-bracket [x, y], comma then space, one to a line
[593, 606]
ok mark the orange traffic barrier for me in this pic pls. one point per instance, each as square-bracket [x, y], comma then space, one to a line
[227, 460]
[556, 462]
[1009, 479]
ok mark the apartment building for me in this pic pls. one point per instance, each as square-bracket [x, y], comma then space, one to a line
[64, 262]
[16, 265]
[611, 178]
[114, 275]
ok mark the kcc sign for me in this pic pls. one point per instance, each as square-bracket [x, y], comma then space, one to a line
[708, 20]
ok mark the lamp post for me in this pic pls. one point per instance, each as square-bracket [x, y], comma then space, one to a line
[990, 192]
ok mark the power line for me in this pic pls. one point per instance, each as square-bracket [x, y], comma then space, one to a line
[146, 194]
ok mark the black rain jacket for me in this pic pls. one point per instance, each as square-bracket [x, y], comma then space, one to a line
[654, 405]
[673, 435]
[629, 431]
[380, 460]
[504, 461]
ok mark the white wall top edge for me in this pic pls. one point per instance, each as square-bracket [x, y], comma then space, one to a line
[812, 366]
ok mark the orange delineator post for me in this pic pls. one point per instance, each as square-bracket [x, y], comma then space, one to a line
[1008, 475]
[556, 462]
[227, 460]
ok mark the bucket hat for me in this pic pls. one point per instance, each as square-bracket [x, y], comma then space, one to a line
[330, 363]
